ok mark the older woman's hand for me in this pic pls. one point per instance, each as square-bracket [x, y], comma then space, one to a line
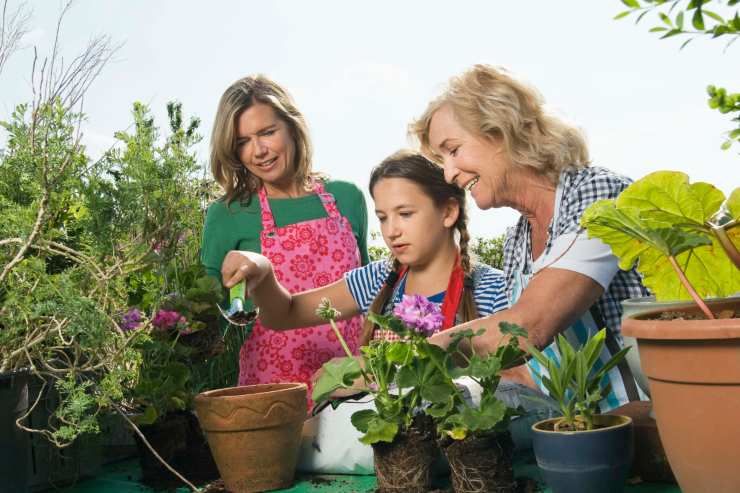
[239, 265]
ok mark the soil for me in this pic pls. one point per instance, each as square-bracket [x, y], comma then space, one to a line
[405, 464]
[681, 315]
[481, 463]
[180, 441]
[564, 427]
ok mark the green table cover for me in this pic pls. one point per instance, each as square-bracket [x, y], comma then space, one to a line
[123, 477]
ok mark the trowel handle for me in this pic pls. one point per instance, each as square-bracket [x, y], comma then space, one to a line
[238, 291]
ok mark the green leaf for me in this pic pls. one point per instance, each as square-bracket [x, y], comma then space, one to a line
[407, 377]
[513, 330]
[665, 19]
[698, 20]
[733, 204]
[679, 20]
[671, 33]
[632, 3]
[399, 352]
[337, 374]
[613, 361]
[442, 408]
[662, 215]
[622, 14]
[361, 419]
[379, 430]
[714, 16]
[658, 29]
[147, 418]
[683, 45]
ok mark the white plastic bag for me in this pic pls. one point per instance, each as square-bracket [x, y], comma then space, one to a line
[330, 443]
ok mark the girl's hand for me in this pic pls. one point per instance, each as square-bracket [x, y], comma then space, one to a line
[239, 265]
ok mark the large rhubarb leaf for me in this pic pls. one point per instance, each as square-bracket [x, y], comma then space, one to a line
[664, 231]
[668, 197]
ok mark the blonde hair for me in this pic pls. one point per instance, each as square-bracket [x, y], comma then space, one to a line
[429, 177]
[226, 167]
[491, 103]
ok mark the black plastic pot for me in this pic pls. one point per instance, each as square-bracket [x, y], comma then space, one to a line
[28, 462]
[14, 443]
[585, 461]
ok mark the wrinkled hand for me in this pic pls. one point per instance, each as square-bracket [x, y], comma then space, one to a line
[240, 265]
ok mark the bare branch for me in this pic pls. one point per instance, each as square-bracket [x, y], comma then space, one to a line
[12, 29]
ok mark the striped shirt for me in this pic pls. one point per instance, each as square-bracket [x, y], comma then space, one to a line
[489, 290]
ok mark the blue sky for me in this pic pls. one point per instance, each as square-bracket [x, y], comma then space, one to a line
[360, 71]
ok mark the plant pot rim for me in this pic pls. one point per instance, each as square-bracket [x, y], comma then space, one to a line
[624, 421]
[727, 328]
[238, 392]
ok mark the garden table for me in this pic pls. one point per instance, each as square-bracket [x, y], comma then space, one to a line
[122, 477]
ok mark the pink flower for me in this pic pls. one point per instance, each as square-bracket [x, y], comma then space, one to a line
[420, 314]
[167, 319]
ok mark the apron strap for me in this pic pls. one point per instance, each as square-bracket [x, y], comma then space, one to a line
[630, 386]
[268, 220]
[327, 200]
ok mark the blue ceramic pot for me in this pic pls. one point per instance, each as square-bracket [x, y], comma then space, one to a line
[595, 461]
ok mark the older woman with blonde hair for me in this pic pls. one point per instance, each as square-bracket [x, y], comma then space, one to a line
[312, 229]
[494, 139]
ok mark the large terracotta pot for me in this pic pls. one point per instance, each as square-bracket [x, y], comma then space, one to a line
[693, 367]
[254, 432]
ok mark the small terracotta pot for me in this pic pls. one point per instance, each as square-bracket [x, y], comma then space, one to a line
[254, 432]
[694, 371]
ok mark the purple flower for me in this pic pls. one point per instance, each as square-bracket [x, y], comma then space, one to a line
[167, 319]
[131, 320]
[420, 314]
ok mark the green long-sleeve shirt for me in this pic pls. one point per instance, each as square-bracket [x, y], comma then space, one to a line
[238, 227]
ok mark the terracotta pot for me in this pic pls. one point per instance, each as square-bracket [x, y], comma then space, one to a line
[254, 432]
[693, 367]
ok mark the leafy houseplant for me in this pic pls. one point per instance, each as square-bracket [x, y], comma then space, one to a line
[399, 375]
[474, 436]
[684, 239]
[582, 451]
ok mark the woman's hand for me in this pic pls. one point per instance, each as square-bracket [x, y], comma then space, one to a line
[240, 265]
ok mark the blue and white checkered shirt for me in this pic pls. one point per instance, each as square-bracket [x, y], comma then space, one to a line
[581, 188]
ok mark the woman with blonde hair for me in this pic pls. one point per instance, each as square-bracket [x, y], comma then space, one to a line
[312, 229]
[494, 139]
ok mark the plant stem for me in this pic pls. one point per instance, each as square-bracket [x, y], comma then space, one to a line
[720, 232]
[341, 339]
[151, 449]
[690, 288]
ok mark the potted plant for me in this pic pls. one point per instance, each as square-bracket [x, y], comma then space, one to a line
[474, 436]
[683, 237]
[182, 334]
[399, 375]
[582, 451]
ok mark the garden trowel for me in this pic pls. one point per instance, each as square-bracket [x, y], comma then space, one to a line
[236, 315]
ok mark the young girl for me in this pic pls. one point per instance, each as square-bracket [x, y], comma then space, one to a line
[419, 216]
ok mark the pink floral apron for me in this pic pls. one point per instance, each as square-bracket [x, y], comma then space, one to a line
[304, 255]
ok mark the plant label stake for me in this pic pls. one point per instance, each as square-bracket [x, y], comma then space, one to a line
[236, 315]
